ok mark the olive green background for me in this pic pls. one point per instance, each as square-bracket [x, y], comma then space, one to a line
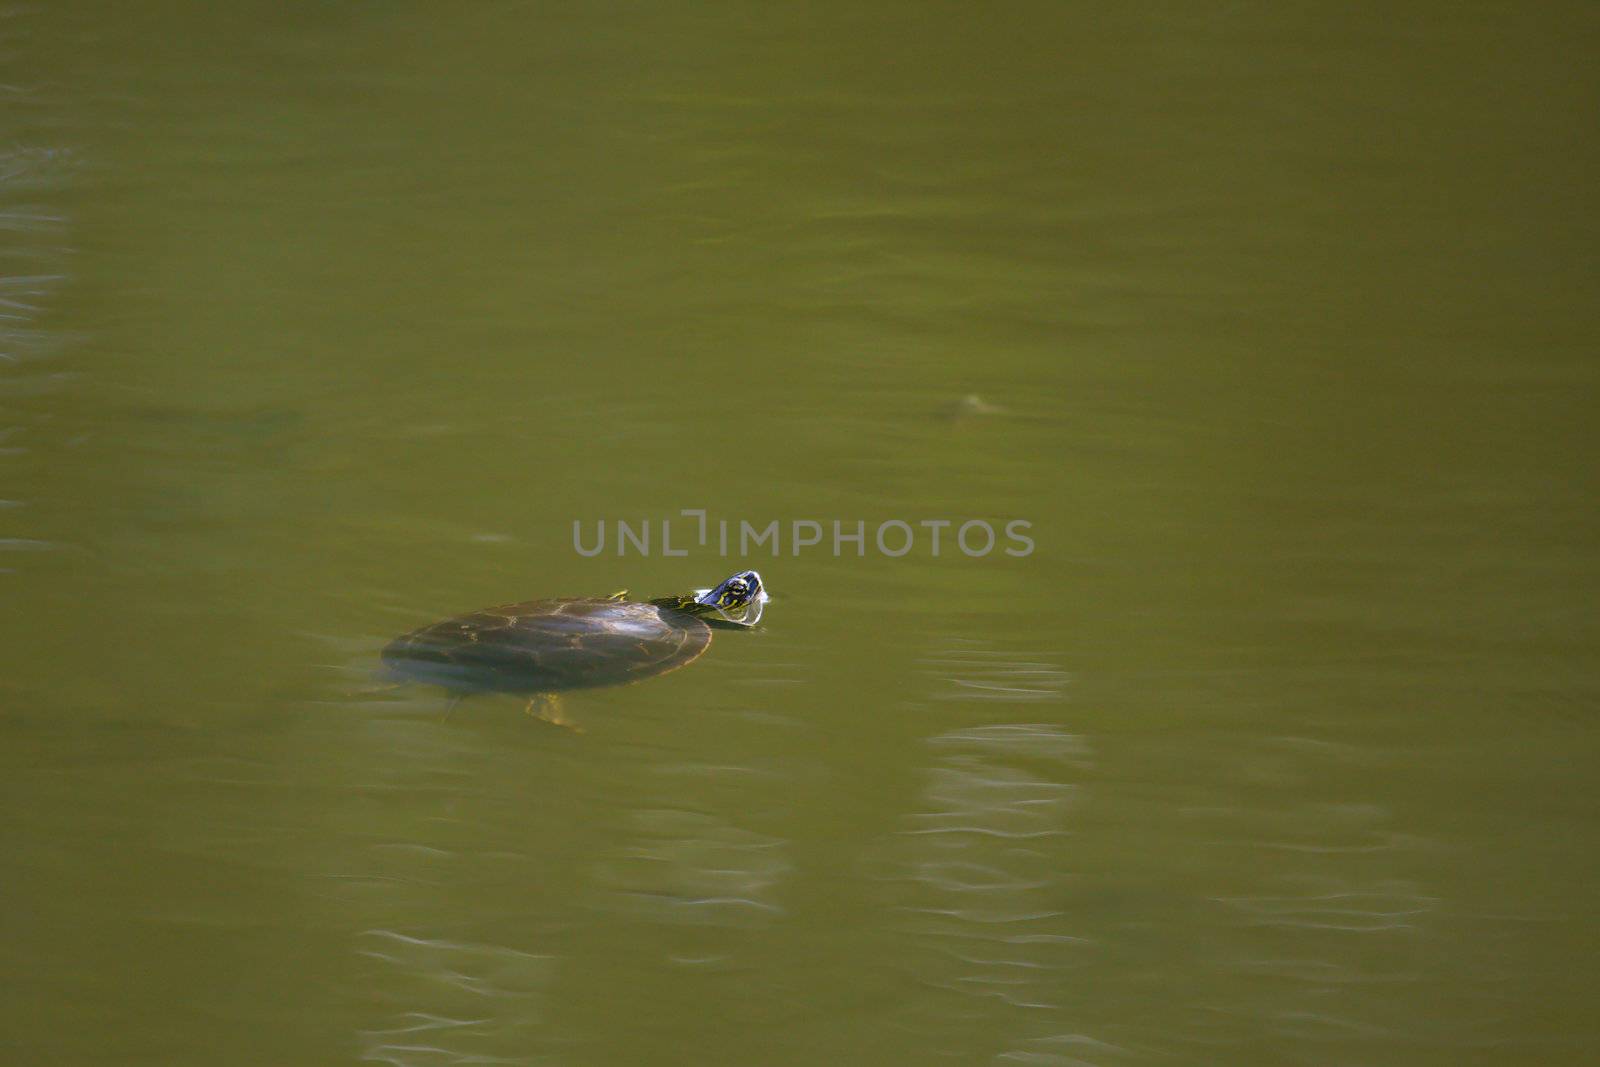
[323, 321]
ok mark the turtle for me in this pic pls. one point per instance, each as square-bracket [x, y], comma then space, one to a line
[540, 648]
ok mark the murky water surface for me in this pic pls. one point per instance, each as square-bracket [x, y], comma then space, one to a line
[321, 322]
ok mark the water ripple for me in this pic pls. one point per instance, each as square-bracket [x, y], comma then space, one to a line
[976, 877]
[693, 868]
[973, 672]
[29, 280]
[451, 998]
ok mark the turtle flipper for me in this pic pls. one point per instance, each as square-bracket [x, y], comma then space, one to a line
[547, 706]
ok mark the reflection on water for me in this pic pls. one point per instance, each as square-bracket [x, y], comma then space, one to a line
[979, 879]
[475, 995]
[33, 233]
[690, 868]
[1273, 321]
[979, 673]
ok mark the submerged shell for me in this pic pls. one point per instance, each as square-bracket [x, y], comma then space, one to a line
[549, 645]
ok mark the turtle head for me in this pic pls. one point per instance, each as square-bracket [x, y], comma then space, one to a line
[738, 601]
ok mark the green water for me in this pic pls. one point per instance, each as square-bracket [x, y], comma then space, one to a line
[325, 321]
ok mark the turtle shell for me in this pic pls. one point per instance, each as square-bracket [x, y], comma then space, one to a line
[547, 645]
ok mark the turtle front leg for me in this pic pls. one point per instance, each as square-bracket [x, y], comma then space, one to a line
[547, 706]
